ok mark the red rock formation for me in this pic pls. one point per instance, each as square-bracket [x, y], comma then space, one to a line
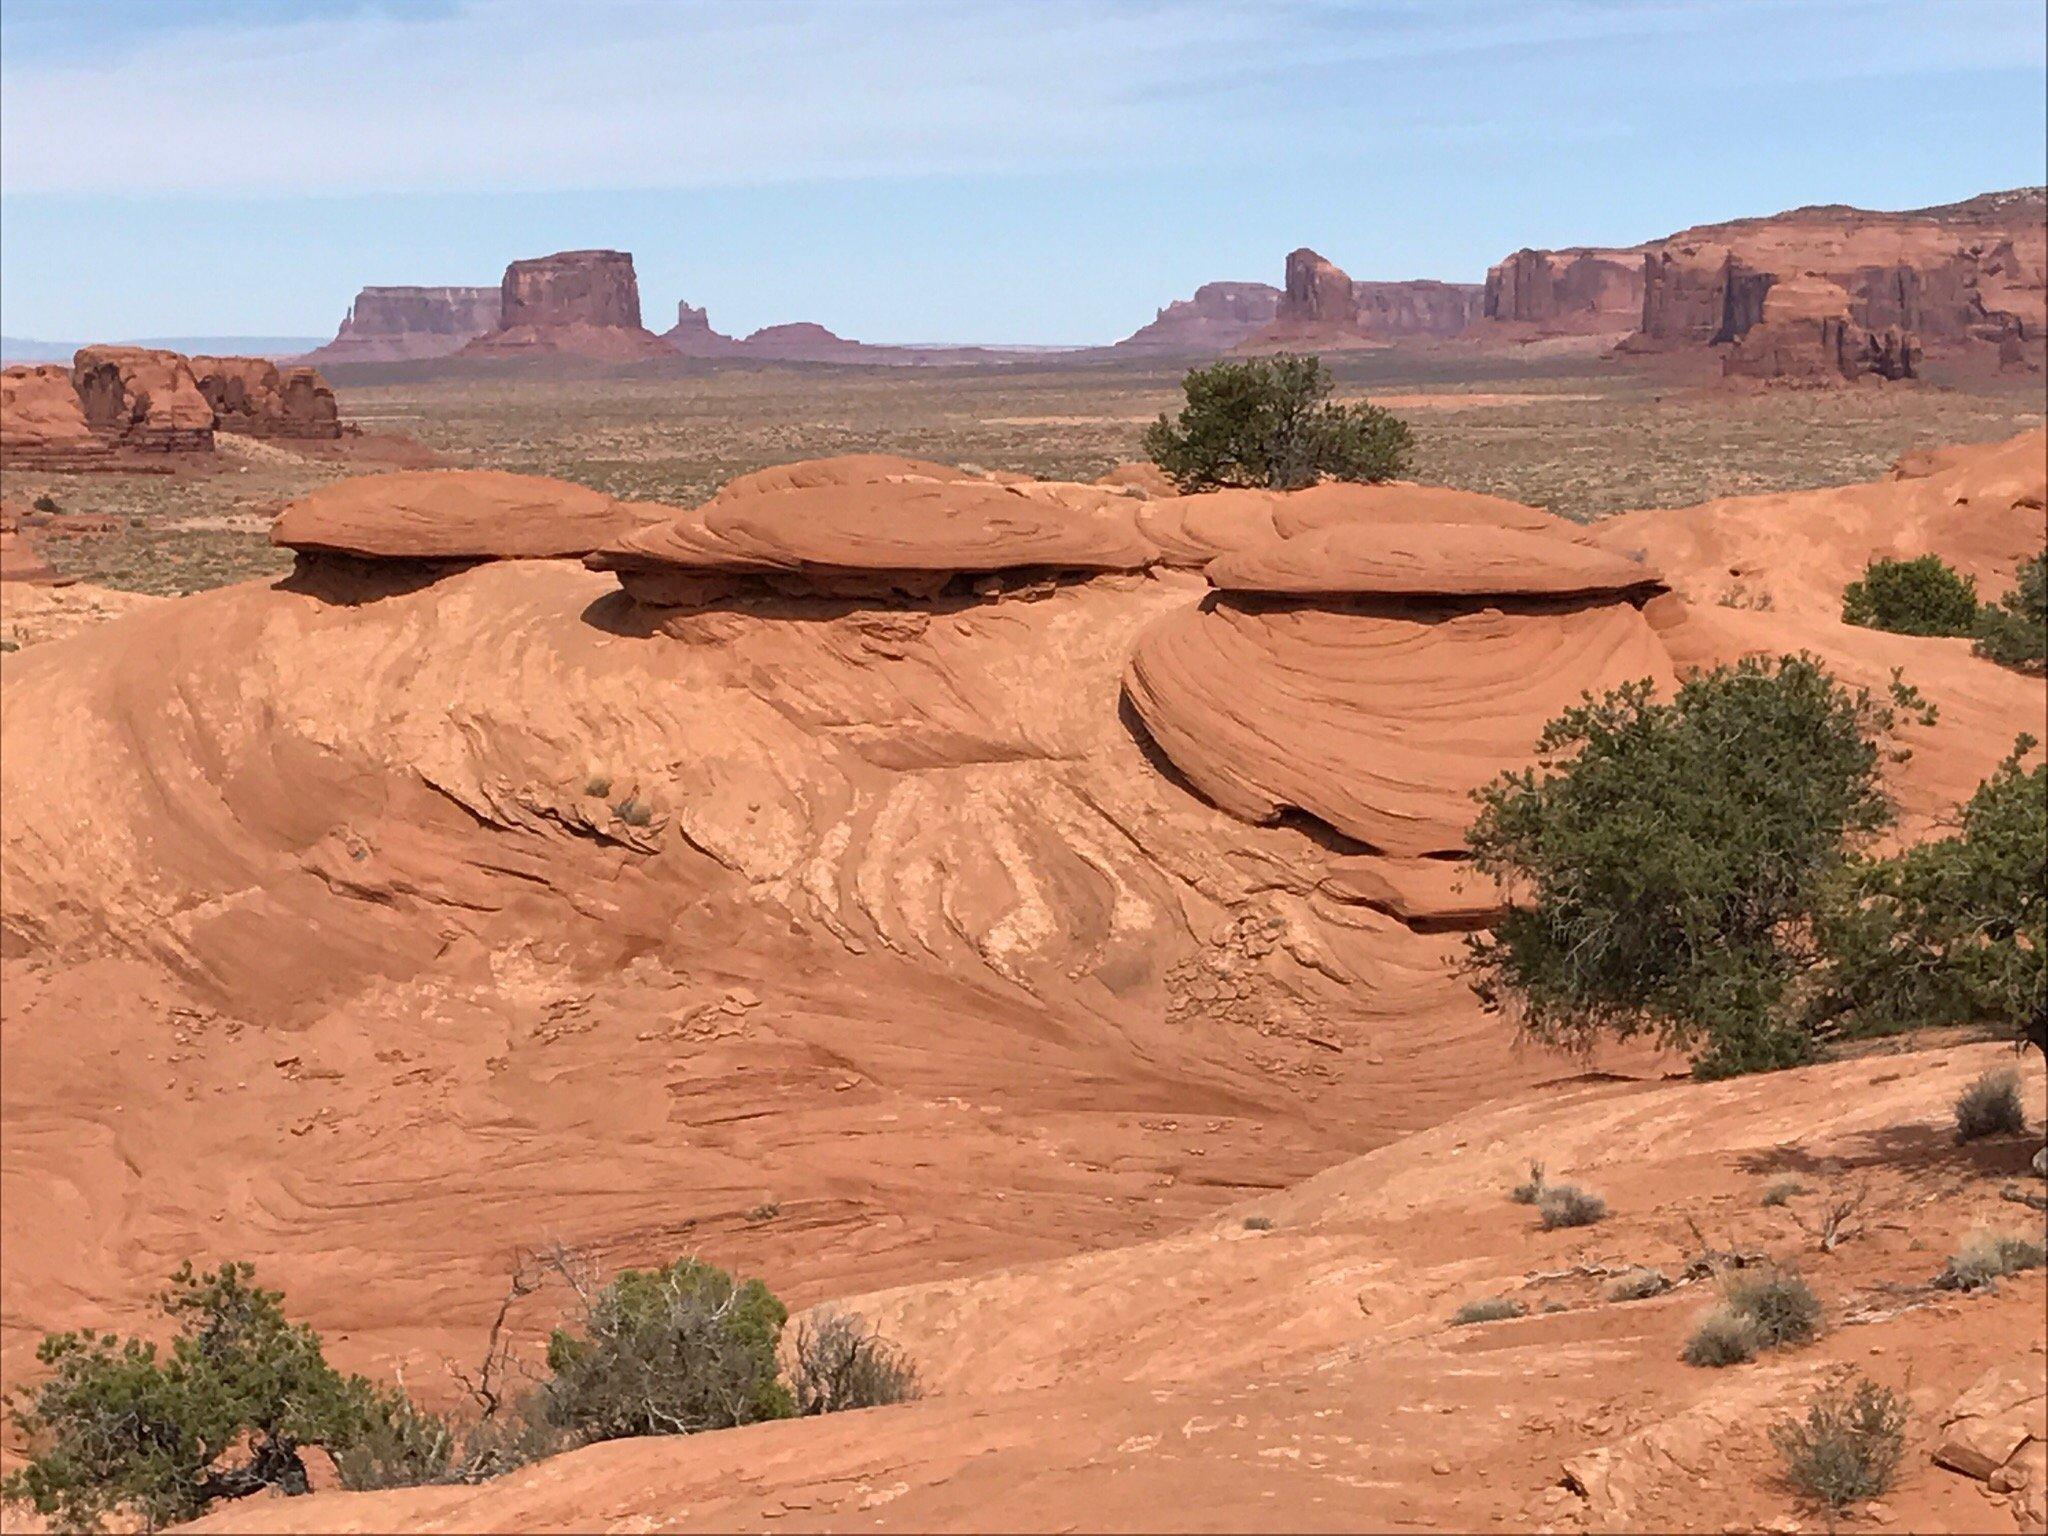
[391, 325]
[1578, 291]
[1962, 273]
[1418, 307]
[1318, 293]
[141, 398]
[20, 560]
[803, 341]
[42, 423]
[251, 395]
[452, 515]
[1217, 318]
[692, 335]
[1322, 308]
[574, 303]
[1805, 333]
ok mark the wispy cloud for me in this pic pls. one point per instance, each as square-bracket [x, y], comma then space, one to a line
[489, 95]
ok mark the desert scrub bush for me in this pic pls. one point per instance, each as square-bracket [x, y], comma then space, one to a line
[634, 811]
[1954, 929]
[1988, 1257]
[597, 786]
[1780, 1305]
[1848, 1446]
[1991, 1106]
[668, 1352]
[2014, 631]
[120, 1429]
[1530, 1190]
[1493, 1309]
[1638, 1285]
[1663, 885]
[840, 1365]
[1924, 596]
[1258, 1223]
[1567, 1205]
[1268, 422]
[1782, 1191]
[1722, 1337]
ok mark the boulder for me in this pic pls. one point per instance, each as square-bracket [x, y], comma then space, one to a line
[142, 398]
[573, 303]
[42, 421]
[253, 396]
[404, 324]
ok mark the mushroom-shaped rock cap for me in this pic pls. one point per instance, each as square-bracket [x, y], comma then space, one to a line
[1193, 530]
[1426, 560]
[842, 469]
[903, 525]
[454, 514]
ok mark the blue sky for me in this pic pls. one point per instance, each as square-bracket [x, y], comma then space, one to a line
[909, 170]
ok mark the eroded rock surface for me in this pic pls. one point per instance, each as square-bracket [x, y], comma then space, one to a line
[407, 324]
[582, 304]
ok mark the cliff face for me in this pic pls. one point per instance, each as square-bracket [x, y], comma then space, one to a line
[1805, 333]
[1579, 291]
[252, 395]
[389, 325]
[1963, 273]
[138, 397]
[1321, 307]
[1217, 318]
[573, 303]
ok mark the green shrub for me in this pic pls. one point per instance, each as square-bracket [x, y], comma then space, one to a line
[1493, 1309]
[1990, 1106]
[1926, 596]
[668, 1352]
[1530, 1190]
[119, 1429]
[1781, 1191]
[1664, 884]
[1567, 1205]
[1951, 930]
[840, 1365]
[2014, 632]
[1268, 423]
[1848, 1446]
[1780, 1305]
[1723, 1337]
[1988, 1257]
[1638, 1285]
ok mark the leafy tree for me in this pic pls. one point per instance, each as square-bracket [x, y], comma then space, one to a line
[1268, 423]
[669, 1352]
[118, 1429]
[1667, 861]
[2014, 632]
[1926, 596]
[1953, 929]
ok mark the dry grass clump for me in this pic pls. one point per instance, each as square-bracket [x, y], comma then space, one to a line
[1988, 1257]
[1567, 1205]
[1493, 1309]
[1530, 1190]
[1848, 1446]
[1991, 1106]
[1759, 1312]
[1782, 1191]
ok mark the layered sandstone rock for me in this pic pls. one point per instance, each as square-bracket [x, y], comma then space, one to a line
[452, 516]
[1322, 308]
[20, 559]
[1962, 273]
[407, 324]
[253, 396]
[1421, 560]
[574, 304]
[1578, 291]
[1191, 531]
[692, 335]
[1215, 319]
[1805, 334]
[143, 399]
[42, 421]
[900, 537]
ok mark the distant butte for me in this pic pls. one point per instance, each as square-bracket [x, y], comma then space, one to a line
[394, 325]
[571, 304]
